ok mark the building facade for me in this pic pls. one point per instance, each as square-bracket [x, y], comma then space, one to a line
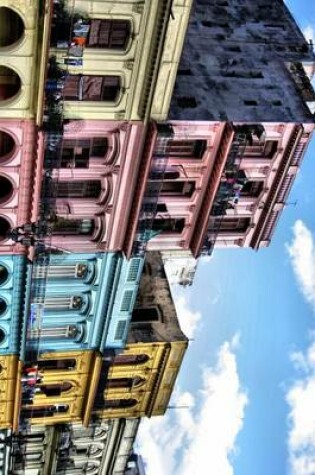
[215, 184]
[117, 55]
[83, 302]
[139, 381]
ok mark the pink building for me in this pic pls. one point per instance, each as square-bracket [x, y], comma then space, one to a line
[212, 183]
[19, 178]
[95, 176]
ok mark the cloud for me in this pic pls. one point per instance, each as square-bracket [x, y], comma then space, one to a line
[309, 33]
[202, 432]
[188, 318]
[302, 254]
[301, 397]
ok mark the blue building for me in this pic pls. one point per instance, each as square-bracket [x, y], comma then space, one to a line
[13, 285]
[86, 304]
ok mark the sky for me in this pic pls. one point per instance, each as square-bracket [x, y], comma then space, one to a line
[245, 396]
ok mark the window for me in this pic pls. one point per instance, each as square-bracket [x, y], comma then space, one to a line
[168, 225]
[126, 301]
[10, 83]
[44, 411]
[4, 274]
[133, 270]
[261, 149]
[76, 153]
[60, 303]
[2, 336]
[177, 188]
[120, 330]
[91, 88]
[252, 189]
[250, 103]
[3, 306]
[65, 331]
[64, 226]
[51, 390]
[112, 34]
[119, 403]
[6, 144]
[233, 225]
[142, 315]
[124, 382]
[126, 360]
[181, 148]
[66, 364]
[187, 102]
[79, 189]
[6, 189]
[12, 27]
[77, 271]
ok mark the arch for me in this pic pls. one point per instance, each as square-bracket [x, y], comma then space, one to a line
[6, 189]
[123, 360]
[55, 389]
[11, 27]
[4, 228]
[119, 403]
[4, 274]
[64, 364]
[2, 336]
[10, 83]
[3, 306]
[7, 145]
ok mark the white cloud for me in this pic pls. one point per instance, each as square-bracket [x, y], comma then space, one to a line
[309, 33]
[203, 434]
[302, 254]
[188, 318]
[301, 397]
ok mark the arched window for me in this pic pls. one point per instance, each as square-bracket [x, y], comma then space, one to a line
[63, 303]
[2, 336]
[7, 144]
[3, 306]
[78, 189]
[78, 87]
[4, 228]
[65, 364]
[111, 34]
[11, 27]
[130, 359]
[70, 332]
[6, 189]
[4, 274]
[10, 83]
[51, 390]
[124, 382]
[119, 403]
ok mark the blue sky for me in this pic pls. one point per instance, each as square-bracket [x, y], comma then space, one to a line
[248, 381]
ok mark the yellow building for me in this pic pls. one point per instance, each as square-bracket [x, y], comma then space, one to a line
[8, 382]
[129, 59]
[23, 38]
[139, 381]
[54, 389]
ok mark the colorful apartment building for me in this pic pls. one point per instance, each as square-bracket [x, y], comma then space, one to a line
[139, 381]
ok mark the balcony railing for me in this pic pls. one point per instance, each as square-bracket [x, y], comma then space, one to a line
[234, 178]
[149, 208]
